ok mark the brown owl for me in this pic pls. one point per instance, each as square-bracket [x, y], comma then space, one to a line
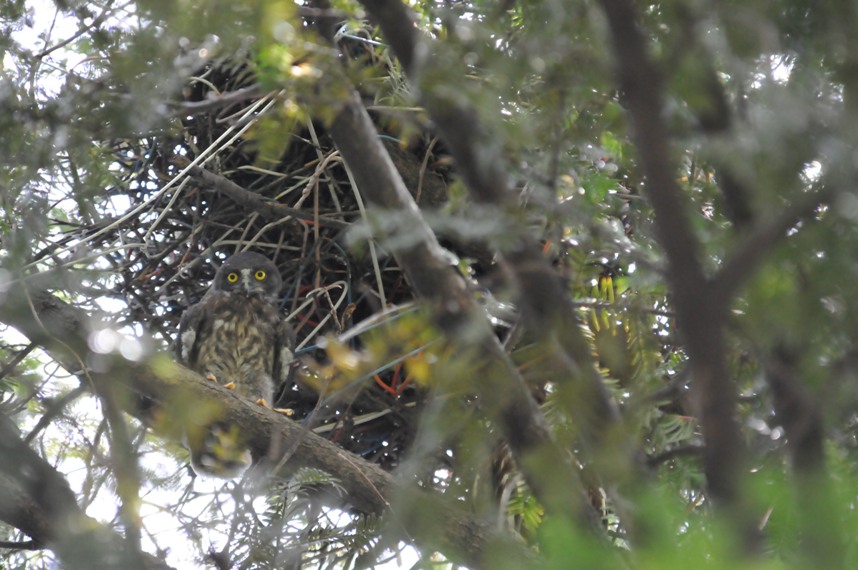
[236, 335]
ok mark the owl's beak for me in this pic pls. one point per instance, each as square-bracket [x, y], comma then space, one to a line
[247, 283]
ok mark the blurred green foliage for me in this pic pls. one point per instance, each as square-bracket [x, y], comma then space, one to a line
[761, 92]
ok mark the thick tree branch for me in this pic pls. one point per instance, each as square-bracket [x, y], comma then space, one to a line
[714, 115]
[455, 313]
[797, 412]
[62, 330]
[543, 299]
[796, 407]
[699, 317]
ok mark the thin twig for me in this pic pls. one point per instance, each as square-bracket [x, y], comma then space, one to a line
[95, 23]
[266, 208]
[746, 257]
[216, 102]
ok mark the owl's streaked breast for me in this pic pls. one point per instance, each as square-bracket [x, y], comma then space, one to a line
[237, 342]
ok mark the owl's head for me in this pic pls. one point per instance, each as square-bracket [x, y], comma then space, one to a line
[248, 273]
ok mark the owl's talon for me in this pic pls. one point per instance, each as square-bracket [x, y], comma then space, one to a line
[230, 386]
[211, 377]
[288, 412]
[263, 403]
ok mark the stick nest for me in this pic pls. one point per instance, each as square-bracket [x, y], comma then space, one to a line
[186, 224]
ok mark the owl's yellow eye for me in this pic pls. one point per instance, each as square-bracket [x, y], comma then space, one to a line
[232, 277]
[260, 275]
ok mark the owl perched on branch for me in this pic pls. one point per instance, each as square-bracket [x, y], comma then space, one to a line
[236, 336]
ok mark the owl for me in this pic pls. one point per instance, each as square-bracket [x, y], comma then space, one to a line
[236, 336]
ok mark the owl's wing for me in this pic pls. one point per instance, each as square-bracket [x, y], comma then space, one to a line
[189, 327]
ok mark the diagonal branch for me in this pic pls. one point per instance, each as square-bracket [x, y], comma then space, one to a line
[213, 102]
[761, 240]
[428, 270]
[544, 300]
[268, 209]
[62, 329]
